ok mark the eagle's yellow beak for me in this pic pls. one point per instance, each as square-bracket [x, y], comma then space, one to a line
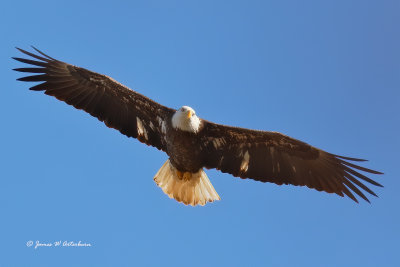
[189, 114]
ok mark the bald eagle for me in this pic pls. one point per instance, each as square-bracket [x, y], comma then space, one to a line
[193, 143]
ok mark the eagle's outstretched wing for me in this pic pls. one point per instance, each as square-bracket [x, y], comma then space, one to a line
[277, 158]
[133, 114]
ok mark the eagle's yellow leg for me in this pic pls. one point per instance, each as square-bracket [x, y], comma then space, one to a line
[179, 174]
[187, 176]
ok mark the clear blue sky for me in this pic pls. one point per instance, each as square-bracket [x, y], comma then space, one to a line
[326, 72]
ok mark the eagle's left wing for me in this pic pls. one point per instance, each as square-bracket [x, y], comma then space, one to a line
[276, 158]
[131, 113]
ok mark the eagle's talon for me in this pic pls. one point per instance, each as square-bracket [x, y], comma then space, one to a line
[180, 174]
[187, 176]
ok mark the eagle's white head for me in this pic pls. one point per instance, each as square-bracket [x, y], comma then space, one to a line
[185, 119]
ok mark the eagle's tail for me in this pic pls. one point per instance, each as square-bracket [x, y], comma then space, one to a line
[188, 188]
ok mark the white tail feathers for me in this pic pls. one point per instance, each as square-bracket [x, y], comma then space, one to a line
[188, 188]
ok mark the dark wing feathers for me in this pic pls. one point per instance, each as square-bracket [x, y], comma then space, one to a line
[277, 158]
[133, 114]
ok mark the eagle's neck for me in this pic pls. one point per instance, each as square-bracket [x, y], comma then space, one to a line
[180, 121]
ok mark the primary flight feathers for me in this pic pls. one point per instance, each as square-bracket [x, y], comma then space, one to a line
[193, 143]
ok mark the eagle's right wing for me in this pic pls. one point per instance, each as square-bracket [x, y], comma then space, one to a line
[133, 114]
